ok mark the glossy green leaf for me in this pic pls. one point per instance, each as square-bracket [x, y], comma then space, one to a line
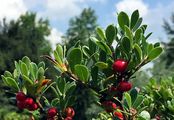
[126, 44]
[148, 35]
[86, 51]
[133, 94]
[27, 80]
[104, 47]
[92, 46]
[123, 20]
[57, 57]
[24, 69]
[138, 51]
[7, 74]
[12, 83]
[128, 99]
[4, 79]
[101, 33]
[138, 36]
[137, 25]
[154, 53]
[33, 70]
[138, 101]
[129, 33]
[101, 65]
[26, 60]
[59, 50]
[41, 64]
[134, 18]
[75, 57]
[110, 34]
[143, 28]
[40, 73]
[82, 72]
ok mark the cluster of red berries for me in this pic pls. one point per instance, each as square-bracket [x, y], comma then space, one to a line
[24, 102]
[69, 111]
[120, 66]
[53, 112]
[112, 107]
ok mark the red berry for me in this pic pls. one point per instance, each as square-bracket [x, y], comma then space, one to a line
[69, 112]
[109, 106]
[124, 86]
[119, 65]
[20, 105]
[52, 112]
[118, 115]
[20, 96]
[33, 107]
[68, 118]
[29, 102]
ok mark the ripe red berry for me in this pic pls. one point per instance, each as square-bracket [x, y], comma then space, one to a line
[69, 112]
[124, 86]
[20, 96]
[119, 65]
[28, 103]
[52, 112]
[118, 115]
[33, 107]
[109, 106]
[68, 118]
[21, 105]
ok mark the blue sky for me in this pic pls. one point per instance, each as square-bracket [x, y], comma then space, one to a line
[60, 11]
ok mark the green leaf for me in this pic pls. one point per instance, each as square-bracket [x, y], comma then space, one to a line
[41, 64]
[40, 74]
[33, 70]
[86, 51]
[138, 52]
[75, 57]
[4, 79]
[57, 57]
[123, 20]
[147, 36]
[129, 33]
[26, 60]
[82, 72]
[24, 69]
[92, 46]
[7, 74]
[110, 34]
[104, 47]
[12, 83]
[138, 35]
[101, 33]
[137, 25]
[101, 65]
[128, 99]
[134, 18]
[143, 27]
[133, 94]
[126, 44]
[27, 80]
[59, 50]
[138, 101]
[155, 53]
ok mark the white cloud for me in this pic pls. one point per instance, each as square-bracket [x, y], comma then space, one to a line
[54, 37]
[12, 9]
[130, 5]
